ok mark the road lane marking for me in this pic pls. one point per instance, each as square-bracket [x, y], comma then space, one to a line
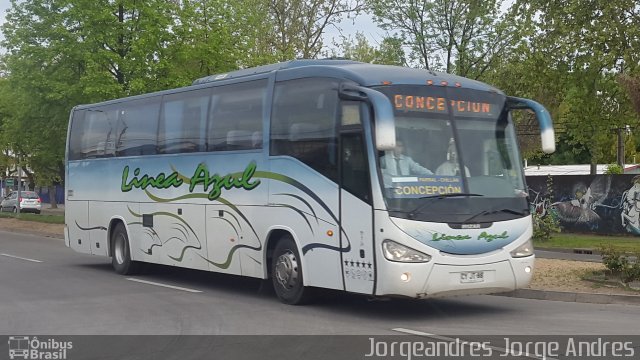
[164, 285]
[449, 339]
[21, 258]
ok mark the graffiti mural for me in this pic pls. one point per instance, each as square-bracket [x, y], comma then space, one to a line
[606, 204]
[630, 216]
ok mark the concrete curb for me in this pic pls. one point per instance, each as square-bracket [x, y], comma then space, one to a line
[577, 251]
[545, 254]
[589, 298]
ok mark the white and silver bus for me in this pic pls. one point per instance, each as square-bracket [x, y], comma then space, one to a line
[371, 179]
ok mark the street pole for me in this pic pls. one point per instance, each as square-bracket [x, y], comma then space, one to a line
[19, 181]
[620, 132]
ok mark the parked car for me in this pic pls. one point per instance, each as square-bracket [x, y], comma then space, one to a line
[29, 202]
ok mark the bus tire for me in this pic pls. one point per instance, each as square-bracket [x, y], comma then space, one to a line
[286, 273]
[121, 255]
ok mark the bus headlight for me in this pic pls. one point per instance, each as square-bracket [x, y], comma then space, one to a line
[396, 252]
[523, 250]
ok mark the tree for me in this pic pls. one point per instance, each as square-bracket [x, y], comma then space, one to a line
[389, 52]
[569, 60]
[455, 36]
[297, 26]
[61, 53]
[209, 37]
[632, 86]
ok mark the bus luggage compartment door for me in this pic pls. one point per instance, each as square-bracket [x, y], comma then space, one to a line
[79, 232]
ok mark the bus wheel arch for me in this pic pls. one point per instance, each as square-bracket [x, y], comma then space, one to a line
[120, 249]
[112, 224]
[285, 268]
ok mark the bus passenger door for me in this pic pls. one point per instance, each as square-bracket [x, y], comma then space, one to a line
[356, 213]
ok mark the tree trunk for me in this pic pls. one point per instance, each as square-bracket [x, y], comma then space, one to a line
[52, 196]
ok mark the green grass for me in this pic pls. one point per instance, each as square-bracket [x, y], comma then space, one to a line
[574, 241]
[49, 219]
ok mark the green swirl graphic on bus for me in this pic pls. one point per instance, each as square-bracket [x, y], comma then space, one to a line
[213, 184]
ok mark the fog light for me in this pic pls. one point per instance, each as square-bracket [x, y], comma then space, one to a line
[527, 269]
[405, 277]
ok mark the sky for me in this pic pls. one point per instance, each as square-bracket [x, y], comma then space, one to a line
[4, 5]
[349, 27]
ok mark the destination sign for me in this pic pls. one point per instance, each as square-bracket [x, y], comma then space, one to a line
[434, 104]
[432, 185]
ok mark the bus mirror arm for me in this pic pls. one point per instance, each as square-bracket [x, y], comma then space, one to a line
[547, 133]
[352, 92]
[385, 127]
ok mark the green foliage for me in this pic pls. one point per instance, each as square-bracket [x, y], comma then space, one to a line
[627, 267]
[583, 241]
[632, 85]
[566, 55]
[612, 259]
[62, 53]
[49, 219]
[614, 169]
[295, 27]
[389, 52]
[462, 37]
[544, 226]
[573, 53]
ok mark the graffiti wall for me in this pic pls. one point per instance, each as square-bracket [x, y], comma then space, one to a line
[606, 204]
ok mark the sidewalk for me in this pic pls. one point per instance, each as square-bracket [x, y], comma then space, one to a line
[567, 296]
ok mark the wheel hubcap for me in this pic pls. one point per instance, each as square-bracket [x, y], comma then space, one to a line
[119, 249]
[287, 270]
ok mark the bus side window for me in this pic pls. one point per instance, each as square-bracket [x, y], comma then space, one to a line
[236, 116]
[98, 132]
[138, 127]
[183, 122]
[75, 135]
[304, 123]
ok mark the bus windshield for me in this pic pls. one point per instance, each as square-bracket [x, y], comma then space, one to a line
[456, 158]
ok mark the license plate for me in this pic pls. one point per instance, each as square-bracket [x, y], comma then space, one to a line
[472, 277]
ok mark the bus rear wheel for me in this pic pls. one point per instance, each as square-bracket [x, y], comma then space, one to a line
[121, 255]
[286, 273]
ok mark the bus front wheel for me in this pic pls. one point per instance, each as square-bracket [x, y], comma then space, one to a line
[286, 273]
[121, 256]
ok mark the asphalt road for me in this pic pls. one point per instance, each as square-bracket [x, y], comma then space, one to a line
[46, 288]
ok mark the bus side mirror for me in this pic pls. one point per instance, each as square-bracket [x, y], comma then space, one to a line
[384, 122]
[547, 134]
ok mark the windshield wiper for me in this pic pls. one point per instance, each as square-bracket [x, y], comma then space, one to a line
[489, 212]
[413, 212]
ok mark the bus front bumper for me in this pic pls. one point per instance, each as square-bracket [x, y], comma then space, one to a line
[424, 280]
